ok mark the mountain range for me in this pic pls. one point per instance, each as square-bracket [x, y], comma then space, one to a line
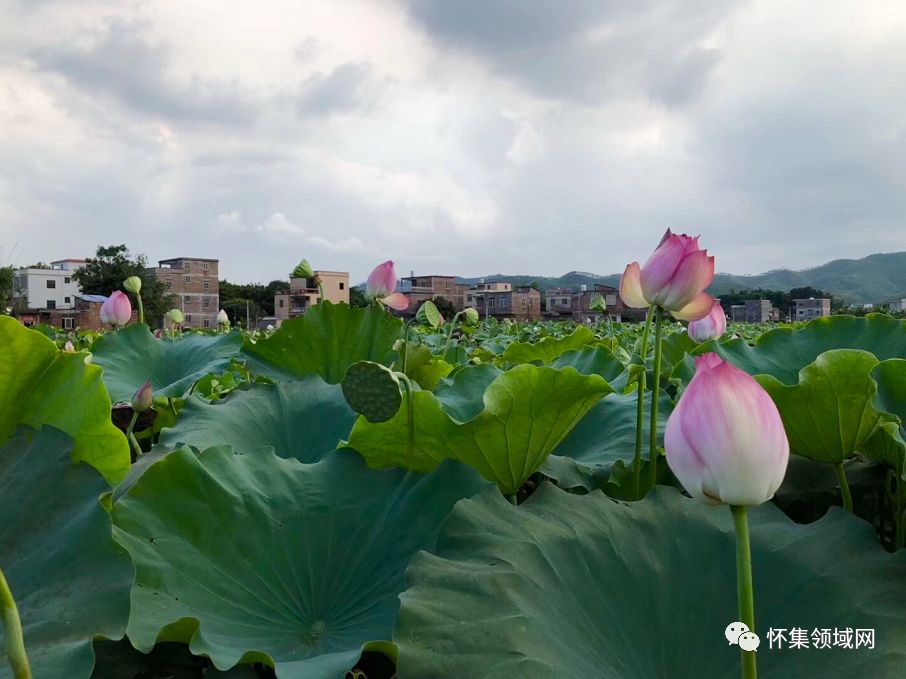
[872, 279]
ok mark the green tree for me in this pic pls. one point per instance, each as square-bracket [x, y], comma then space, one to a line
[357, 297]
[445, 307]
[112, 265]
[6, 287]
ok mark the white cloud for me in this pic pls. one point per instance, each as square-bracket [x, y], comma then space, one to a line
[478, 142]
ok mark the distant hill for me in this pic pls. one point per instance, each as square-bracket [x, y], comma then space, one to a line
[874, 279]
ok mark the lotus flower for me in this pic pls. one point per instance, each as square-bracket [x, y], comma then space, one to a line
[725, 440]
[674, 278]
[69, 347]
[143, 398]
[175, 315]
[116, 310]
[471, 315]
[381, 285]
[222, 318]
[711, 327]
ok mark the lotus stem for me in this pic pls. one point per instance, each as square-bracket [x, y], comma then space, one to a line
[410, 420]
[133, 443]
[450, 334]
[844, 487]
[12, 632]
[745, 593]
[640, 406]
[513, 499]
[141, 307]
[655, 393]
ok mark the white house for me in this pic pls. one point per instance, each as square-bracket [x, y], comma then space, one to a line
[53, 288]
[897, 305]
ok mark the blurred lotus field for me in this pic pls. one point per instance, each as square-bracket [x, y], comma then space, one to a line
[356, 495]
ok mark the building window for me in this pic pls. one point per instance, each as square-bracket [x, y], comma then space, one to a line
[51, 304]
[186, 299]
[67, 323]
[207, 284]
[187, 279]
[281, 303]
[67, 300]
[51, 284]
[204, 265]
[491, 301]
[342, 285]
[188, 318]
[205, 302]
[207, 323]
[185, 265]
[67, 279]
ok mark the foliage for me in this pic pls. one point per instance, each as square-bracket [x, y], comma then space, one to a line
[243, 542]
[6, 287]
[233, 297]
[111, 265]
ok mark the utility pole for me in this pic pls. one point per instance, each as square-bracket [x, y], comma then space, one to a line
[247, 325]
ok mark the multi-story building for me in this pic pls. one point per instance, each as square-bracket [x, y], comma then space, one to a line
[46, 289]
[501, 300]
[758, 310]
[194, 286]
[582, 301]
[558, 301]
[807, 309]
[897, 306]
[737, 313]
[304, 293]
[422, 288]
[576, 303]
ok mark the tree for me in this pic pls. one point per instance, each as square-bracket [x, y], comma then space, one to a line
[6, 287]
[357, 297]
[445, 307]
[111, 266]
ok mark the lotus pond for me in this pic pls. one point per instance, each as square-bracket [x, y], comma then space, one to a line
[352, 496]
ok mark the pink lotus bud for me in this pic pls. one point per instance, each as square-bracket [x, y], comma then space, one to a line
[69, 347]
[381, 285]
[116, 310]
[711, 327]
[725, 440]
[143, 398]
[158, 333]
[674, 278]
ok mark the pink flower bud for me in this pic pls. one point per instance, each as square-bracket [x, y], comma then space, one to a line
[143, 398]
[116, 310]
[674, 277]
[711, 327]
[69, 347]
[381, 285]
[725, 440]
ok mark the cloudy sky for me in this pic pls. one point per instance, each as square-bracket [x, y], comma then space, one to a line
[467, 137]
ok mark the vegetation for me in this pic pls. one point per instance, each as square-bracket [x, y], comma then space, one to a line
[288, 475]
[112, 265]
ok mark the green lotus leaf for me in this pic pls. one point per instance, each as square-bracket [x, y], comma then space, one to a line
[428, 314]
[595, 361]
[604, 437]
[828, 415]
[784, 352]
[581, 586]
[420, 446]
[527, 411]
[462, 394]
[69, 578]
[133, 355]
[890, 376]
[41, 385]
[326, 341]
[302, 420]
[547, 349]
[421, 365]
[258, 558]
